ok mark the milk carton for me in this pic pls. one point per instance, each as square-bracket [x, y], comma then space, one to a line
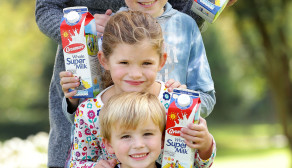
[184, 108]
[209, 9]
[79, 41]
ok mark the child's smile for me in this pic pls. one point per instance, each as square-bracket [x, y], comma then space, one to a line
[152, 7]
[139, 156]
[134, 83]
[147, 4]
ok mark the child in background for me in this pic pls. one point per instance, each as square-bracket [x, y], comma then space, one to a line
[133, 54]
[132, 125]
[187, 62]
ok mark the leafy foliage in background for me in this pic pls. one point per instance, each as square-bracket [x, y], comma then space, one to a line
[25, 55]
[241, 91]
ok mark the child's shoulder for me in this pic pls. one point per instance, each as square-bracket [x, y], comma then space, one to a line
[179, 21]
[91, 102]
[164, 95]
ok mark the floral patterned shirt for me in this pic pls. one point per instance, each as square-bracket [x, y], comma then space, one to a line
[88, 148]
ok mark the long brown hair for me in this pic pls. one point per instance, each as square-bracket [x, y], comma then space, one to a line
[130, 27]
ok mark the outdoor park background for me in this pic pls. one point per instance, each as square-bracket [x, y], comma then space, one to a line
[249, 50]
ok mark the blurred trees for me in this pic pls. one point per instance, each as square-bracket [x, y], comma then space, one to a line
[26, 62]
[251, 62]
[249, 50]
[265, 31]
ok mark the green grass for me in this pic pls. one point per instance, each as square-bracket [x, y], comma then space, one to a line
[250, 145]
[274, 158]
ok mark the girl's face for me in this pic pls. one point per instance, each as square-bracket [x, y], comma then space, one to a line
[152, 7]
[133, 68]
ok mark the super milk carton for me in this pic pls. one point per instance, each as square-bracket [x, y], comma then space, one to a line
[79, 41]
[184, 108]
[209, 9]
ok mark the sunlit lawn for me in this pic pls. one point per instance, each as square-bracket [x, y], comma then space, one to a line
[239, 146]
[265, 159]
[250, 146]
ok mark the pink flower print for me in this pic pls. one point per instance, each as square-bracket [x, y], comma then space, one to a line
[77, 112]
[84, 148]
[77, 154]
[91, 114]
[80, 134]
[81, 122]
[87, 131]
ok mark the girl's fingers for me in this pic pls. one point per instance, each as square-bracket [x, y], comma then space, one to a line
[108, 12]
[65, 74]
[70, 94]
[169, 82]
[67, 86]
[183, 86]
[192, 144]
[66, 80]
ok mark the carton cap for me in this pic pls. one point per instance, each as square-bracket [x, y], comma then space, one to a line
[72, 17]
[183, 100]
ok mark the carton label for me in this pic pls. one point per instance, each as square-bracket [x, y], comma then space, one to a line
[184, 108]
[79, 41]
[74, 48]
[209, 10]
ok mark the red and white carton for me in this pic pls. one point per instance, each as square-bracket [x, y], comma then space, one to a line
[184, 108]
[80, 48]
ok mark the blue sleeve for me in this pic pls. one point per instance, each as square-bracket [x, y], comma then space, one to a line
[208, 101]
[185, 7]
[199, 74]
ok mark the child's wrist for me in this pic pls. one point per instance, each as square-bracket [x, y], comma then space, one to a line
[72, 105]
[207, 152]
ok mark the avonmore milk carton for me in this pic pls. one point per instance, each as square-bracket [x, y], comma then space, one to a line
[184, 108]
[79, 41]
[209, 9]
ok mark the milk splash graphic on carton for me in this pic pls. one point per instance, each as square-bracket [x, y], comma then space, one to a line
[209, 9]
[184, 108]
[79, 41]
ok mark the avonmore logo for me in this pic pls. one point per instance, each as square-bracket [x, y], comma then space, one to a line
[74, 48]
[175, 131]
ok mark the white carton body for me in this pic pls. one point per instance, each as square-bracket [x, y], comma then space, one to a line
[184, 108]
[79, 41]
